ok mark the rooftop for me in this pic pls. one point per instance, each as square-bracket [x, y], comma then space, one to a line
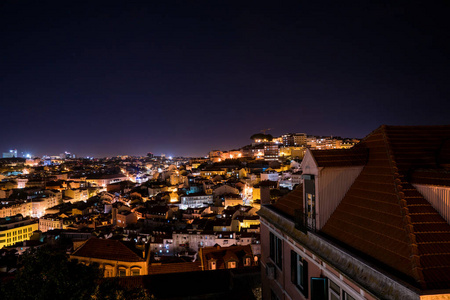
[107, 249]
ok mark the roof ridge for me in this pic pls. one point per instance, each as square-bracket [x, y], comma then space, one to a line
[414, 258]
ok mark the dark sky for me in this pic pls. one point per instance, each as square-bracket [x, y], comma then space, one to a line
[184, 77]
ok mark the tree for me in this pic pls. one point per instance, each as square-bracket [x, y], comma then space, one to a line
[48, 274]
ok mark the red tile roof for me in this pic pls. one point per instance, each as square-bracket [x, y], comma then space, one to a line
[107, 249]
[385, 217]
[290, 202]
[340, 157]
[222, 254]
[179, 267]
[431, 177]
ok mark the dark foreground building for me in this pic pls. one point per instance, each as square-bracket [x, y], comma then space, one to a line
[371, 222]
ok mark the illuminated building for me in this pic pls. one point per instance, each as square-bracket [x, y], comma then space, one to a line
[270, 175]
[215, 258]
[211, 172]
[113, 257]
[294, 139]
[104, 180]
[232, 200]
[21, 182]
[9, 210]
[195, 200]
[34, 208]
[125, 218]
[193, 240]
[50, 222]
[16, 229]
[75, 195]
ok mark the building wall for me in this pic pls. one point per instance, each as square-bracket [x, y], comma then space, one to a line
[332, 185]
[352, 274]
[272, 176]
[195, 241]
[111, 268]
[282, 285]
[50, 224]
[25, 209]
[233, 202]
[438, 196]
[195, 201]
[22, 233]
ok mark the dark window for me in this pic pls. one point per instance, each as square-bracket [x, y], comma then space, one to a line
[276, 250]
[319, 288]
[299, 273]
[347, 296]
[273, 296]
[334, 291]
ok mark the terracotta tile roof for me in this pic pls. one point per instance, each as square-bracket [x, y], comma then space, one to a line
[431, 177]
[290, 202]
[223, 254]
[340, 157]
[385, 217]
[178, 267]
[107, 249]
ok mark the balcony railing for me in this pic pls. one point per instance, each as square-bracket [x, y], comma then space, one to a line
[303, 223]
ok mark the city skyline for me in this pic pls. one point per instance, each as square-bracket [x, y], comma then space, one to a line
[102, 79]
[29, 154]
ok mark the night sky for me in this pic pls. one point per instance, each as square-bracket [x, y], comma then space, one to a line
[185, 77]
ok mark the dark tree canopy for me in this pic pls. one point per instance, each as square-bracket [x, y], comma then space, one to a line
[261, 136]
[48, 274]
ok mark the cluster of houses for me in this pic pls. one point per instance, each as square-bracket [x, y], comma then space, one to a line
[368, 222]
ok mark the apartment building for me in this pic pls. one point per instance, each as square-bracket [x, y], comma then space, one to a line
[16, 229]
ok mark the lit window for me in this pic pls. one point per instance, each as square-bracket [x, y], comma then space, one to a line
[108, 272]
[212, 265]
[231, 264]
[247, 261]
[135, 272]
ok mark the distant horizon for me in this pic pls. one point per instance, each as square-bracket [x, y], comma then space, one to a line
[156, 153]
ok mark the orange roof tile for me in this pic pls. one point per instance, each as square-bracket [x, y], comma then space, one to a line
[340, 157]
[431, 177]
[107, 249]
[290, 202]
[223, 254]
[179, 267]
